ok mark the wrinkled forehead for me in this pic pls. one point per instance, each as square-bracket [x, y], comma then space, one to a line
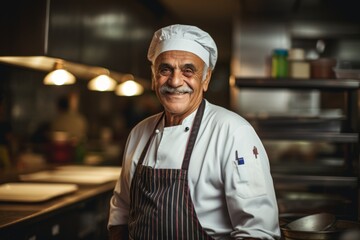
[182, 45]
[176, 57]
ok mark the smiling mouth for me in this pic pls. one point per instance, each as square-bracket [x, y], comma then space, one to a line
[177, 93]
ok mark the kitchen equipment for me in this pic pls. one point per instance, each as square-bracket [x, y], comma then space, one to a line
[314, 222]
[279, 63]
[340, 230]
[323, 68]
[298, 67]
[347, 73]
[347, 70]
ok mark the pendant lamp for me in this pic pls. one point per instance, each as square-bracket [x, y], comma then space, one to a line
[129, 87]
[59, 76]
[102, 82]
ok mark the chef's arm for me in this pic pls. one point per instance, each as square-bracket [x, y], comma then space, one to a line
[119, 232]
[250, 194]
[119, 207]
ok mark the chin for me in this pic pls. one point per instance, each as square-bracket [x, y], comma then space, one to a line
[175, 99]
[176, 107]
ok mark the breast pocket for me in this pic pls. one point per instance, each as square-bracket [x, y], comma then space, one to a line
[249, 177]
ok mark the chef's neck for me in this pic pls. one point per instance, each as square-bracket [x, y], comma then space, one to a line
[172, 119]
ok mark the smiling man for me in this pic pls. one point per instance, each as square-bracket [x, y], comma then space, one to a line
[197, 170]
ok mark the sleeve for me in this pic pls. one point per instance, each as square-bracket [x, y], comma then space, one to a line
[120, 201]
[249, 189]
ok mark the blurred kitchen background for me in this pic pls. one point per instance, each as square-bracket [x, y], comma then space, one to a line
[310, 131]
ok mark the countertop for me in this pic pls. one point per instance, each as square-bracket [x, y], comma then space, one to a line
[18, 215]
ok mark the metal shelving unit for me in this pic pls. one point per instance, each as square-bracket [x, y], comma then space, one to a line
[321, 136]
[348, 174]
[321, 84]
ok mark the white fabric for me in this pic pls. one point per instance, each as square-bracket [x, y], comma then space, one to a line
[232, 201]
[183, 45]
[184, 38]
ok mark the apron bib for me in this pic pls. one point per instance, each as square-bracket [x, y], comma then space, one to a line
[161, 205]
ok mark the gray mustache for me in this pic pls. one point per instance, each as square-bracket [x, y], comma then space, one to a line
[168, 89]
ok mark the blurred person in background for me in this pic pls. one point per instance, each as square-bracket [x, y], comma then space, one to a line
[69, 126]
[69, 119]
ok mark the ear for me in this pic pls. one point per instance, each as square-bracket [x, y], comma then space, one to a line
[152, 82]
[152, 79]
[206, 81]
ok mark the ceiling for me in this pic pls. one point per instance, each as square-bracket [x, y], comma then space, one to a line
[221, 11]
[203, 11]
[213, 16]
[216, 16]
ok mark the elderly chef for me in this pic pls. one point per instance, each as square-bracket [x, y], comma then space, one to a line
[197, 170]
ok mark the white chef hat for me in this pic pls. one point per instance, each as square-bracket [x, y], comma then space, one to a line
[184, 38]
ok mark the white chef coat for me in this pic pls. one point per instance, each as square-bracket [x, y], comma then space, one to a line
[229, 173]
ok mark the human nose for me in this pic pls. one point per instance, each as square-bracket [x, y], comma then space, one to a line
[175, 80]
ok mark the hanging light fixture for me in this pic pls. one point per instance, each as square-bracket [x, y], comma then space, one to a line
[102, 83]
[59, 76]
[129, 87]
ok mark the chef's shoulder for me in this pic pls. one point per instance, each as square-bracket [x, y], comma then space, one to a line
[221, 116]
[145, 127]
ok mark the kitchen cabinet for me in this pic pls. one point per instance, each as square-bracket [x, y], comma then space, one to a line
[321, 181]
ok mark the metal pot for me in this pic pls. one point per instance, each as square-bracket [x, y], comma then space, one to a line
[337, 232]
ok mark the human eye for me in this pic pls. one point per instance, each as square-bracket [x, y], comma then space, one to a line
[164, 70]
[188, 71]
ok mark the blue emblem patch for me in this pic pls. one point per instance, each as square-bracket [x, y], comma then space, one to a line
[239, 160]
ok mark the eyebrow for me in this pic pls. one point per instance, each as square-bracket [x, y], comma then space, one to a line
[191, 66]
[164, 65]
[186, 65]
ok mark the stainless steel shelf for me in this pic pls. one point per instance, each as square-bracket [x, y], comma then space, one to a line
[344, 129]
[311, 136]
[331, 181]
[319, 168]
[290, 83]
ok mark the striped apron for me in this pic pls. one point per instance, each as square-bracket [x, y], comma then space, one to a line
[161, 205]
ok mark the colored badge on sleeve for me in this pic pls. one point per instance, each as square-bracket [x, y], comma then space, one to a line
[255, 152]
[239, 160]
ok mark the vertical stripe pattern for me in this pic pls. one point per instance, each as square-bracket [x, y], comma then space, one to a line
[161, 206]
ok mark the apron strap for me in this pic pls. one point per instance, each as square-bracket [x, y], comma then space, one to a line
[143, 154]
[193, 135]
[190, 143]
